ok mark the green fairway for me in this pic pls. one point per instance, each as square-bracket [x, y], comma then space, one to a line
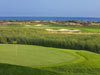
[26, 55]
[37, 60]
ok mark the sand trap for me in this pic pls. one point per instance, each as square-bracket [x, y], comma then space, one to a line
[63, 30]
[50, 30]
[39, 25]
[70, 30]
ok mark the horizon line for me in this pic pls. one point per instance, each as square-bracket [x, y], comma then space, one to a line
[51, 16]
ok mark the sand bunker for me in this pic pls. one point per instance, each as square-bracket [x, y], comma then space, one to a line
[39, 25]
[64, 30]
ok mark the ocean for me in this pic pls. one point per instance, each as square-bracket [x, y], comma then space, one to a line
[52, 18]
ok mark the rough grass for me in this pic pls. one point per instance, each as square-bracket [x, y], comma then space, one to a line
[75, 62]
[31, 36]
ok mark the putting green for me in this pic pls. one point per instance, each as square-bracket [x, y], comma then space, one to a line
[33, 56]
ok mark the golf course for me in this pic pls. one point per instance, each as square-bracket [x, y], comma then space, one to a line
[28, 48]
[53, 61]
[49, 37]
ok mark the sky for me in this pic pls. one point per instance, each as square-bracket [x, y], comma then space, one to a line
[50, 8]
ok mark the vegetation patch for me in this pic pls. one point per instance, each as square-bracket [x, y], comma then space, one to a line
[32, 36]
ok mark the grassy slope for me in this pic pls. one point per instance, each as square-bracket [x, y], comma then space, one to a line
[86, 64]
